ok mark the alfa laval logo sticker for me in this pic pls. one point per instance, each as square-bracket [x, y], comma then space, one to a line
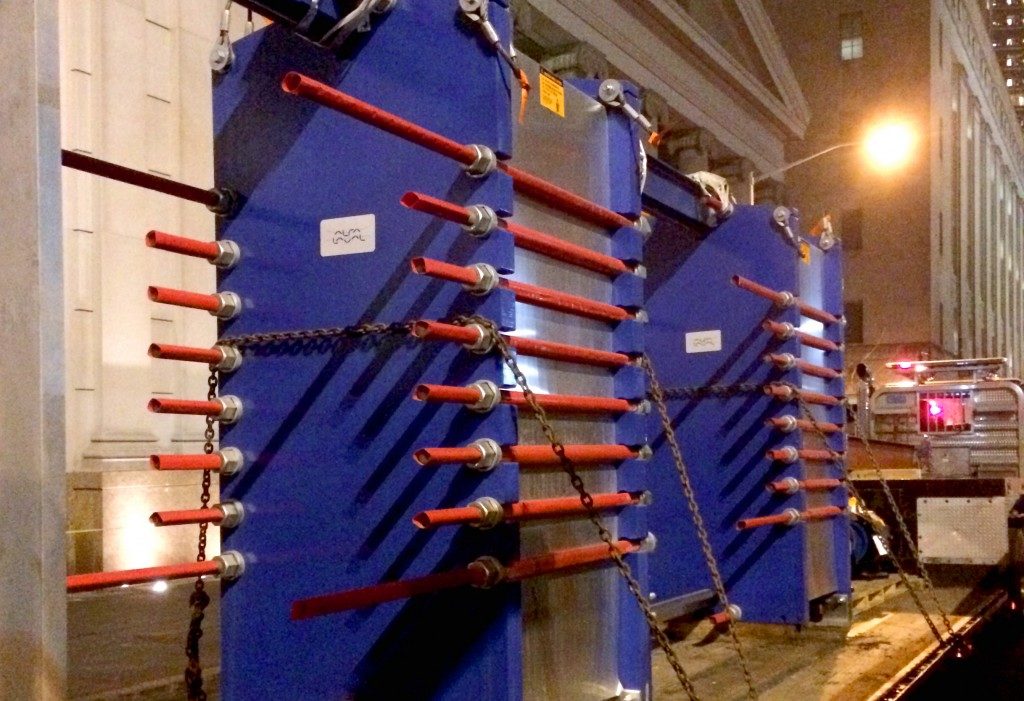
[347, 235]
[703, 341]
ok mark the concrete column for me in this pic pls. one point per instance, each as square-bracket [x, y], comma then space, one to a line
[32, 424]
[688, 150]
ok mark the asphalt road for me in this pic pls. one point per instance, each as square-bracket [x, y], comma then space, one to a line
[129, 643]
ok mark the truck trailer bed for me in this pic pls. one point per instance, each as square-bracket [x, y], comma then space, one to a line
[886, 649]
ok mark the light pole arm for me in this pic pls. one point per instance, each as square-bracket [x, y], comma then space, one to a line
[754, 179]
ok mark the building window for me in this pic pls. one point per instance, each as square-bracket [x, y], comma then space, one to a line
[853, 310]
[1009, 61]
[851, 44]
[851, 225]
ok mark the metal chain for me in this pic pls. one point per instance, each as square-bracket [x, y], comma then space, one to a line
[313, 337]
[900, 569]
[508, 357]
[716, 391]
[291, 340]
[658, 394]
[954, 637]
[200, 599]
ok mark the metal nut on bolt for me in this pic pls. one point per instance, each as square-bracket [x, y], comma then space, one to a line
[494, 571]
[491, 512]
[484, 163]
[793, 515]
[649, 543]
[490, 396]
[227, 199]
[784, 361]
[230, 409]
[790, 485]
[610, 92]
[486, 279]
[788, 455]
[231, 460]
[227, 256]
[485, 340]
[789, 423]
[233, 512]
[490, 454]
[231, 564]
[231, 359]
[644, 453]
[786, 299]
[229, 305]
[482, 220]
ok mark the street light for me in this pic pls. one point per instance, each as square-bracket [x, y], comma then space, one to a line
[886, 146]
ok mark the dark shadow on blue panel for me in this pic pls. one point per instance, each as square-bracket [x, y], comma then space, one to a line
[266, 111]
[420, 651]
[675, 243]
[294, 418]
[750, 560]
[756, 460]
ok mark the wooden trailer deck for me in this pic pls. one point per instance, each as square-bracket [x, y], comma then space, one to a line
[887, 647]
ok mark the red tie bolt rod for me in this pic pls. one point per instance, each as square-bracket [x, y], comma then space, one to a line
[721, 618]
[785, 299]
[481, 220]
[223, 305]
[789, 517]
[485, 453]
[227, 565]
[478, 159]
[788, 424]
[484, 572]
[227, 461]
[783, 330]
[216, 200]
[788, 361]
[487, 512]
[790, 455]
[788, 393]
[485, 395]
[226, 409]
[481, 278]
[479, 340]
[220, 357]
[791, 485]
[223, 254]
[227, 515]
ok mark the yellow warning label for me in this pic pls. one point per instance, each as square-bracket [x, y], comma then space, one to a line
[552, 93]
[805, 252]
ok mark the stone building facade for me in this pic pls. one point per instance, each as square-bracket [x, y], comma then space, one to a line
[934, 252]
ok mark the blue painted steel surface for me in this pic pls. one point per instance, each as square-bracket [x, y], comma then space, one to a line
[724, 440]
[331, 486]
[328, 432]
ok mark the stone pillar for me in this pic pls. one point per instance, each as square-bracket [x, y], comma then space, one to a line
[688, 150]
[577, 60]
[33, 626]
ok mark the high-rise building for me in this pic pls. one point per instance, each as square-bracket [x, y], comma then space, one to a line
[1006, 26]
[934, 252]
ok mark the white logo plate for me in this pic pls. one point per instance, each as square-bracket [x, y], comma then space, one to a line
[347, 235]
[703, 341]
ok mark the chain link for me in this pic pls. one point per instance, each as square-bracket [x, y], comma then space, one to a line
[200, 599]
[954, 638]
[658, 394]
[508, 357]
[709, 391]
[313, 338]
[306, 340]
